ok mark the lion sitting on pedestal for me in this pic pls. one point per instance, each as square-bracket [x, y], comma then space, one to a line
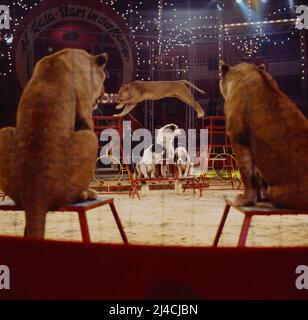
[268, 133]
[48, 160]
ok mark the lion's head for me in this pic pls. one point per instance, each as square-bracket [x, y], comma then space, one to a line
[231, 76]
[123, 94]
[85, 73]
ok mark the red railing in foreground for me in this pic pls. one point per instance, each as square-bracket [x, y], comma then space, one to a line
[65, 270]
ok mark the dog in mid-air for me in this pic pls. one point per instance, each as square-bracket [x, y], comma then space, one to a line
[137, 91]
[182, 161]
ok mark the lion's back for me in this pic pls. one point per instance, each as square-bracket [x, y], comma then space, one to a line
[275, 129]
[45, 126]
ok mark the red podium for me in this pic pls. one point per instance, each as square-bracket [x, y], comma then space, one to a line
[81, 208]
[261, 209]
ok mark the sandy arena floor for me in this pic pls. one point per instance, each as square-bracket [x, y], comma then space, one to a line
[169, 218]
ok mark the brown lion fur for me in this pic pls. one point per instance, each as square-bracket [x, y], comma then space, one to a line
[269, 133]
[137, 91]
[48, 160]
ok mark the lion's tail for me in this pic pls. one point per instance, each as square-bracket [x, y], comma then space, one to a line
[188, 83]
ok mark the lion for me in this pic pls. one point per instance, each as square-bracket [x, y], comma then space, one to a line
[268, 133]
[48, 160]
[137, 91]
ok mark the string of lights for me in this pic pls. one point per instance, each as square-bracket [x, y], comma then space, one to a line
[250, 46]
[303, 57]
[221, 36]
[280, 11]
[169, 32]
[167, 42]
[249, 10]
[8, 37]
[159, 25]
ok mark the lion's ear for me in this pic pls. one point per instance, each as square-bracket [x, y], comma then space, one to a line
[101, 59]
[225, 69]
[263, 67]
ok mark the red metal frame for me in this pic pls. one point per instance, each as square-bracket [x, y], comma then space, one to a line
[81, 209]
[117, 126]
[215, 130]
[195, 182]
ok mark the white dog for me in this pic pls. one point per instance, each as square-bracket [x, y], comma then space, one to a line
[182, 160]
[146, 167]
[165, 137]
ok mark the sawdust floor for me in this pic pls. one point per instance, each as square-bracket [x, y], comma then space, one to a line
[169, 218]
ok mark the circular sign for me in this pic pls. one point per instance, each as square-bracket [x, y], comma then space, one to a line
[70, 14]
